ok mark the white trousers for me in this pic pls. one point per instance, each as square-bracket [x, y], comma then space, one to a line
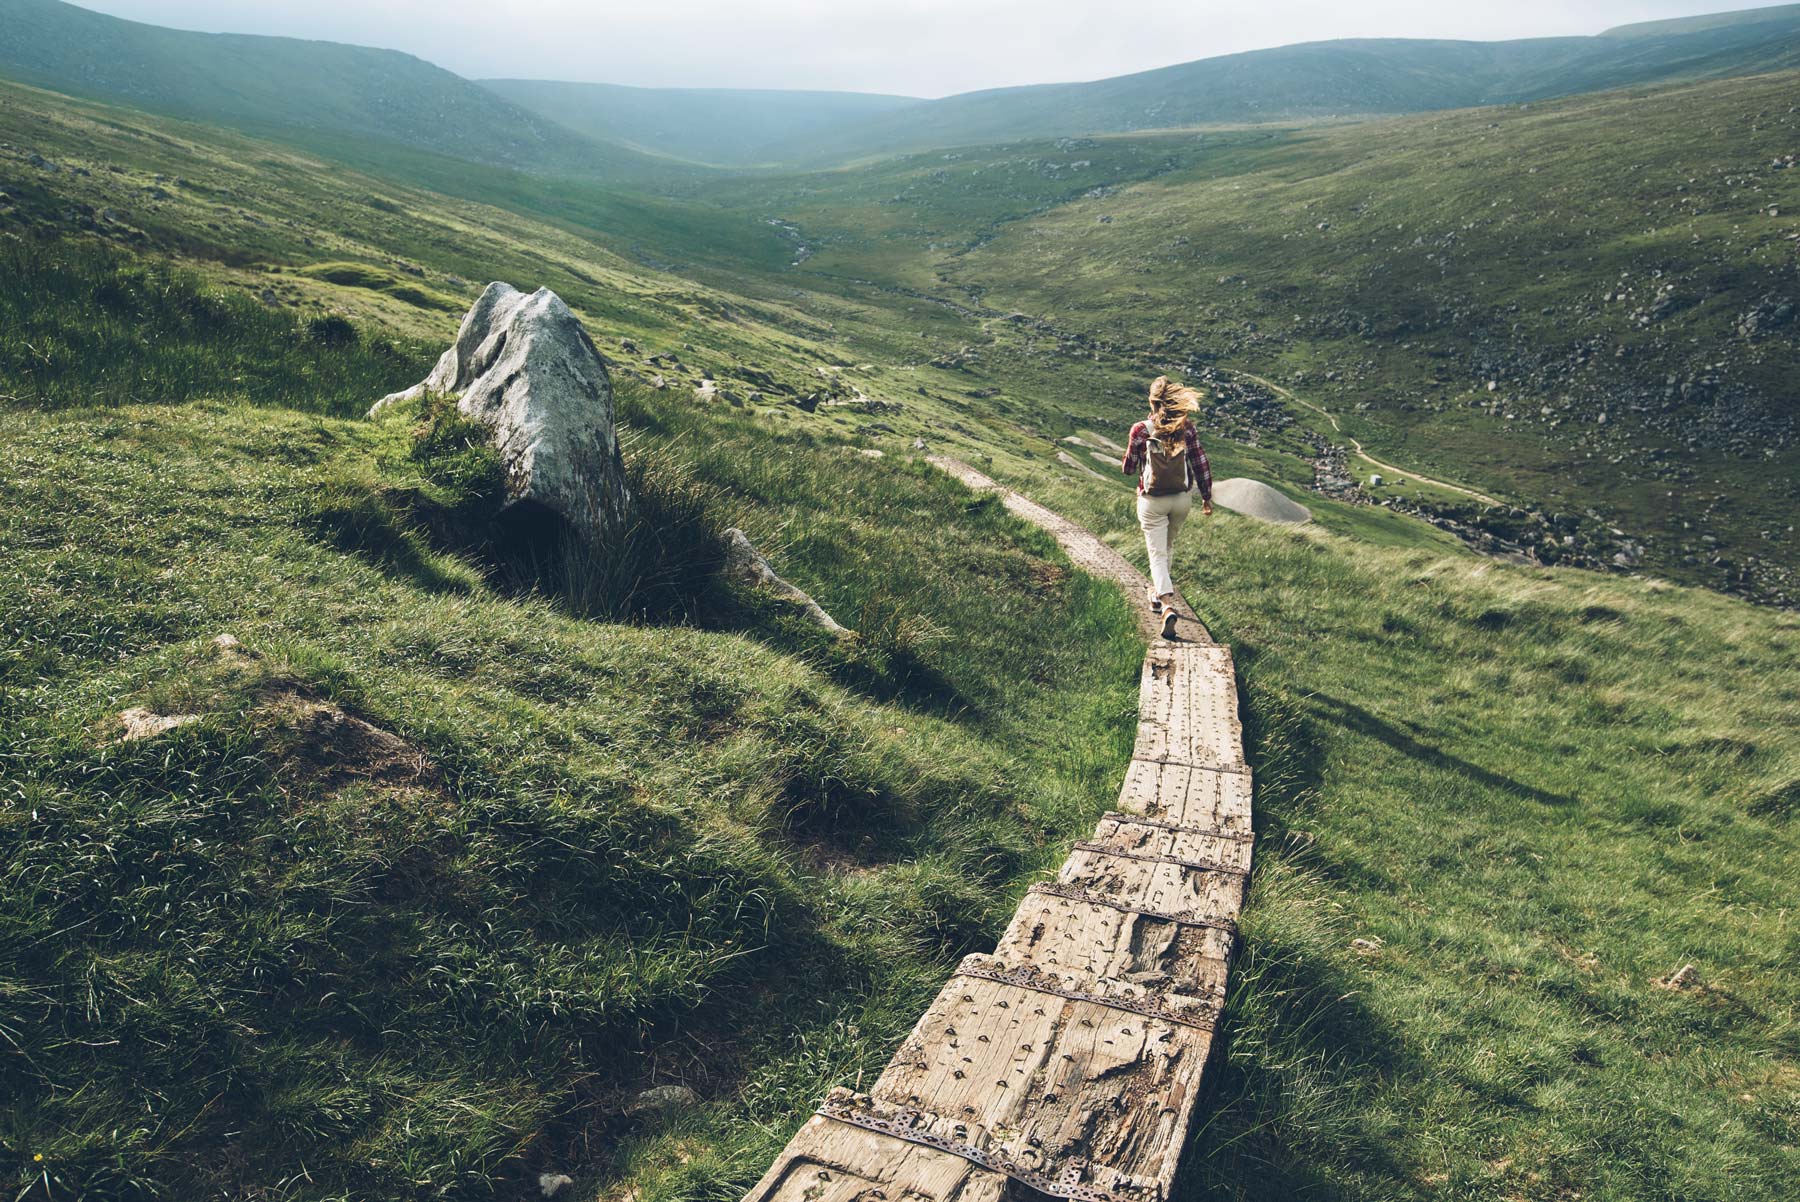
[1161, 519]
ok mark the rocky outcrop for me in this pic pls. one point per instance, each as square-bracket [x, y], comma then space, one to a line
[745, 564]
[523, 366]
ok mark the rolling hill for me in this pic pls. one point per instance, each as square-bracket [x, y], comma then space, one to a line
[626, 887]
[1585, 307]
[723, 126]
[1326, 81]
[345, 100]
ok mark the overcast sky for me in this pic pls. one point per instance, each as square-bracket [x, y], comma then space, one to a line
[914, 47]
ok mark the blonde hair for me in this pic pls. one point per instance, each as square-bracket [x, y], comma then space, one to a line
[1170, 404]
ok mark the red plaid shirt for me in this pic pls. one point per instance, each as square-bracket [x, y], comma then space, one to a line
[1139, 446]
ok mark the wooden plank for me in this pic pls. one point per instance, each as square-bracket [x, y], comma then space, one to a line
[1163, 886]
[833, 1161]
[1187, 796]
[1108, 943]
[1076, 1091]
[1069, 1061]
[1191, 844]
[1187, 707]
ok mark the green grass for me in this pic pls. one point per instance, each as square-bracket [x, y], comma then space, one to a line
[361, 275]
[1535, 794]
[724, 853]
[81, 325]
[666, 831]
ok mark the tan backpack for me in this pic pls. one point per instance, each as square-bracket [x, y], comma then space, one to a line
[1166, 467]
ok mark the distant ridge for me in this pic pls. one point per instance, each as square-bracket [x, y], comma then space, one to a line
[1705, 22]
[723, 126]
[350, 101]
[1330, 80]
[320, 95]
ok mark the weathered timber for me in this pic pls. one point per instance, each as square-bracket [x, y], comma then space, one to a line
[1069, 1061]
[1187, 707]
[1187, 796]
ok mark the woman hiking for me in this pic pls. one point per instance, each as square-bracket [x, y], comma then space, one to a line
[1165, 454]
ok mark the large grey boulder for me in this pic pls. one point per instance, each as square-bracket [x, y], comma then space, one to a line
[524, 367]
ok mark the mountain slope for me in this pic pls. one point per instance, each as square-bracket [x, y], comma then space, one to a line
[718, 855]
[315, 94]
[1587, 305]
[729, 127]
[1324, 81]
[1704, 22]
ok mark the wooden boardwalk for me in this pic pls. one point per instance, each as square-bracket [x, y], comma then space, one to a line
[1068, 1062]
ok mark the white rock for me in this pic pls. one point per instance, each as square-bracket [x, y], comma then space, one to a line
[744, 563]
[551, 1183]
[146, 724]
[1255, 499]
[523, 366]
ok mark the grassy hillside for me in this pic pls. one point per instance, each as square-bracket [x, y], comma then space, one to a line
[1586, 305]
[316, 94]
[1021, 294]
[1499, 810]
[725, 126]
[1619, 375]
[444, 876]
[578, 859]
[462, 854]
[1324, 81]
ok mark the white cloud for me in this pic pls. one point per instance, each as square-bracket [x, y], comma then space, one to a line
[919, 47]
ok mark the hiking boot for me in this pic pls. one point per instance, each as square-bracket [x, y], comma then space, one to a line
[1169, 618]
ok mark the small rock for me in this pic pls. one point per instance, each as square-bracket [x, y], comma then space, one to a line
[550, 1183]
[743, 562]
[146, 724]
[665, 1097]
[1367, 947]
[1685, 977]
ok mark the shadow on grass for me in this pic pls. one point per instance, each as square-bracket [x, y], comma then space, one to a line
[1354, 717]
[383, 528]
[1281, 1117]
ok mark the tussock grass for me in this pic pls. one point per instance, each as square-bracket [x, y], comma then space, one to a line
[722, 853]
[377, 279]
[83, 325]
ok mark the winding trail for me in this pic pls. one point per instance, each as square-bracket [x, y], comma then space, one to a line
[1338, 429]
[1069, 1061]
